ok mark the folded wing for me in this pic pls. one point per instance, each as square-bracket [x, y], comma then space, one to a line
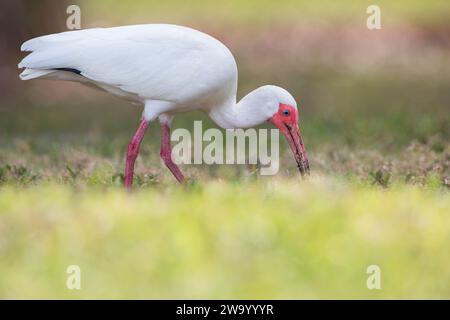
[156, 62]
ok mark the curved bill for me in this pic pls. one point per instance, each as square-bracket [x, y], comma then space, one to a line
[292, 134]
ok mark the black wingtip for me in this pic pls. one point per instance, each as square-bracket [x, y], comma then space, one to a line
[69, 70]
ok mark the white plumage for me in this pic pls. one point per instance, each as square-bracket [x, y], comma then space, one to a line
[166, 63]
[167, 68]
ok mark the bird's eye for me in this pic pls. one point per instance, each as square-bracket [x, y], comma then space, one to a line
[286, 112]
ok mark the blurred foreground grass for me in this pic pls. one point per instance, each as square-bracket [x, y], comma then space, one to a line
[268, 239]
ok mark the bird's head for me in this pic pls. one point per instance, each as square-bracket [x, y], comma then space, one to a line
[267, 103]
[285, 118]
[277, 106]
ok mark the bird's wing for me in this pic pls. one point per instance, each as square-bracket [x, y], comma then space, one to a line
[151, 63]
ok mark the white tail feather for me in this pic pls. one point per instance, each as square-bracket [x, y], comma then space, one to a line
[29, 74]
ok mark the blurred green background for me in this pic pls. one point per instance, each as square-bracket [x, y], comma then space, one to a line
[374, 111]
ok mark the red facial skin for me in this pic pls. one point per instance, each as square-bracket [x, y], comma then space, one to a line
[286, 119]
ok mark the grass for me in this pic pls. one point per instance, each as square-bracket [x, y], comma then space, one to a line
[272, 239]
[228, 233]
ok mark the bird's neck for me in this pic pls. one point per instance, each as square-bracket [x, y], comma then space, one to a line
[242, 114]
[225, 114]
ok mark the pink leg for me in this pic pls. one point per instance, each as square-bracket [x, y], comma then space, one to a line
[166, 153]
[133, 150]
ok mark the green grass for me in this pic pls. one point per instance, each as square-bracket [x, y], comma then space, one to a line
[273, 239]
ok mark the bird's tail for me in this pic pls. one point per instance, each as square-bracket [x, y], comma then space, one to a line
[29, 73]
[46, 53]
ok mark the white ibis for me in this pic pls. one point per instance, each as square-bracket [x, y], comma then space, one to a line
[168, 69]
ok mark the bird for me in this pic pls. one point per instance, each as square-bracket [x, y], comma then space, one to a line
[167, 69]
